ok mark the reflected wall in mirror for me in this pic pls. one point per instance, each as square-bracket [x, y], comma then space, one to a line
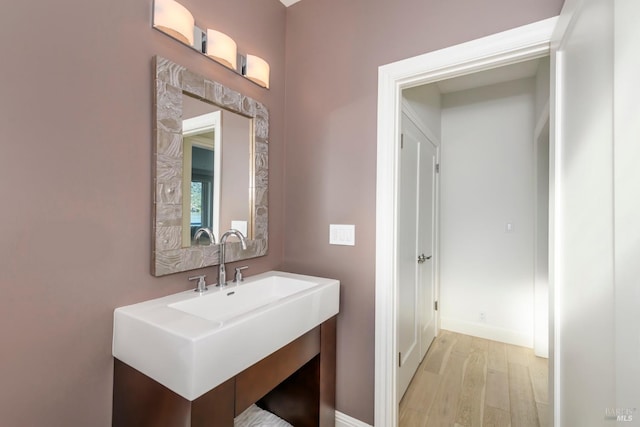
[210, 151]
[216, 170]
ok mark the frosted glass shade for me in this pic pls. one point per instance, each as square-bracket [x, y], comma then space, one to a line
[174, 19]
[222, 48]
[257, 70]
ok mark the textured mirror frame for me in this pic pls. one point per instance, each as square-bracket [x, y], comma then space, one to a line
[168, 255]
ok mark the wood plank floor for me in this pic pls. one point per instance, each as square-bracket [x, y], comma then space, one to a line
[465, 381]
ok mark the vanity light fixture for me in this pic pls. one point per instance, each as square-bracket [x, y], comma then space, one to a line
[256, 69]
[174, 19]
[222, 48]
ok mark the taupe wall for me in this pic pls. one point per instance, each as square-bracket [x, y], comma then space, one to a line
[334, 48]
[75, 187]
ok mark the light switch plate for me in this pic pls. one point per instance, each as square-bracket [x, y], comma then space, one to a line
[342, 234]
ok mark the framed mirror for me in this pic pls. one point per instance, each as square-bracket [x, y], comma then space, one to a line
[210, 170]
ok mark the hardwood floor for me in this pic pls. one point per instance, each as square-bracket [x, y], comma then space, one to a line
[465, 381]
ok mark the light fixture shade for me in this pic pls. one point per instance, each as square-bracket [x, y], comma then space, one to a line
[257, 70]
[174, 19]
[222, 48]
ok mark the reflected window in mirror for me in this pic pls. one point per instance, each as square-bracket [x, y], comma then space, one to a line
[199, 196]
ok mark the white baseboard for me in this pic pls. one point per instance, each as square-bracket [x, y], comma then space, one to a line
[488, 332]
[343, 420]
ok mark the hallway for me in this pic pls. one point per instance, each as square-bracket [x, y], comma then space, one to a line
[465, 381]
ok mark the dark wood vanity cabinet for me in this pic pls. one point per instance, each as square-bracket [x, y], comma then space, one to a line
[297, 383]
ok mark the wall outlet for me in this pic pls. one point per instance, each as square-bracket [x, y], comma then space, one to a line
[483, 317]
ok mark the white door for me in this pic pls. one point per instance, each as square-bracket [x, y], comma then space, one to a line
[416, 318]
[596, 213]
[426, 241]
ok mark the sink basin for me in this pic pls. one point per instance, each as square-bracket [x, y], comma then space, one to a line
[191, 343]
[225, 306]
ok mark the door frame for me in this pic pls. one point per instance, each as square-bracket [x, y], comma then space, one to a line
[516, 45]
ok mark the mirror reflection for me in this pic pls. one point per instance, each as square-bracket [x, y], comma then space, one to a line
[226, 177]
[217, 157]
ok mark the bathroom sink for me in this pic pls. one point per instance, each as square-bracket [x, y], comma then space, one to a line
[225, 306]
[191, 343]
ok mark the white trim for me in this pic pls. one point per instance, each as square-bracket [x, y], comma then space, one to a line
[523, 43]
[482, 330]
[201, 123]
[509, 47]
[542, 123]
[420, 124]
[566, 22]
[343, 420]
[555, 222]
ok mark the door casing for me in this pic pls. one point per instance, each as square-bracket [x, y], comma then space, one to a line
[520, 44]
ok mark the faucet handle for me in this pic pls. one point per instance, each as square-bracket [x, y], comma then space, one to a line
[238, 277]
[202, 285]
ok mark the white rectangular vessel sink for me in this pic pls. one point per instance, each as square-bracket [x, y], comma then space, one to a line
[192, 343]
[238, 300]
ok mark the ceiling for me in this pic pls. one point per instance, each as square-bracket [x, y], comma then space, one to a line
[289, 2]
[520, 70]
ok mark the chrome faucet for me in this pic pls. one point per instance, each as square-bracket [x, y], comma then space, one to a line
[204, 230]
[201, 287]
[222, 271]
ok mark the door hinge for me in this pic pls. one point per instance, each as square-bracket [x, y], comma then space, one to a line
[401, 141]
[399, 359]
[435, 305]
[437, 167]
